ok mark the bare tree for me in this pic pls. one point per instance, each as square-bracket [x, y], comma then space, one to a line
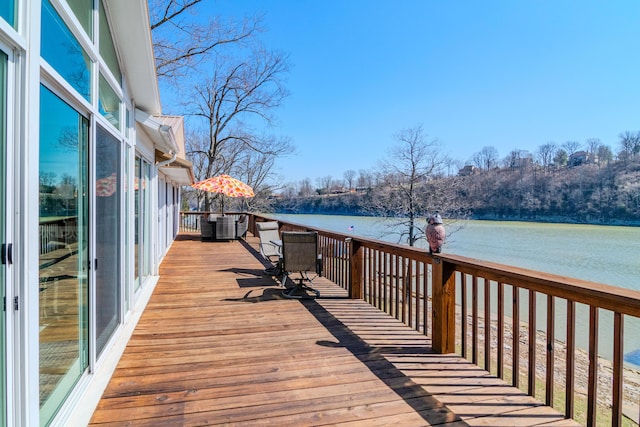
[238, 93]
[546, 153]
[517, 159]
[486, 159]
[182, 43]
[306, 189]
[412, 161]
[571, 147]
[604, 155]
[629, 144]
[349, 177]
[325, 183]
[365, 179]
[592, 145]
[242, 85]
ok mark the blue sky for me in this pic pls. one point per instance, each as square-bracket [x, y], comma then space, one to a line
[508, 74]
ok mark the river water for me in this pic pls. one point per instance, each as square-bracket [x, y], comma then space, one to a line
[604, 254]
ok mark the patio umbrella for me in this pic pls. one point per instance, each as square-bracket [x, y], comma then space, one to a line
[226, 186]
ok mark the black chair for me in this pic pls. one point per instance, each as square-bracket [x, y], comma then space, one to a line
[300, 255]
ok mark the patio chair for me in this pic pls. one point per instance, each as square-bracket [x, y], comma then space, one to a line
[270, 245]
[300, 255]
[225, 228]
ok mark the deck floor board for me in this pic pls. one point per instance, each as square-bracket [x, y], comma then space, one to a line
[219, 345]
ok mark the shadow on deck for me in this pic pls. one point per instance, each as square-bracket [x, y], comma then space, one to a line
[218, 344]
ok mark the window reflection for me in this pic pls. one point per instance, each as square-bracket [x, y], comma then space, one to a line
[63, 52]
[63, 250]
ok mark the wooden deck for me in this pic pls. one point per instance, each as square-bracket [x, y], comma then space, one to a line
[218, 345]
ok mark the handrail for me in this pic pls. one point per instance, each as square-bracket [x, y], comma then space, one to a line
[475, 308]
[622, 300]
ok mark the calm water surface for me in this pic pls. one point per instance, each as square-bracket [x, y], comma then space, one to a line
[604, 254]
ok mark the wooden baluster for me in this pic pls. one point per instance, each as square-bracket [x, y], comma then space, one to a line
[474, 321]
[618, 331]
[404, 289]
[500, 330]
[569, 407]
[550, 350]
[409, 292]
[531, 380]
[592, 397]
[487, 325]
[425, 296]
[397, 290]
[515, 332]
[463, 320]
[371, 281]
[385, 283]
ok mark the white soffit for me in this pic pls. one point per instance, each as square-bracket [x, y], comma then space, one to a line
[161, 134]
[178, 174]
[131, 33]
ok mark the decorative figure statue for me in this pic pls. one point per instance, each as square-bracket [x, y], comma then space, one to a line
[435, 233]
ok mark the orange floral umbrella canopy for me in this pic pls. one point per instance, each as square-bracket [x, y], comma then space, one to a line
[106, 187]
[225, 184]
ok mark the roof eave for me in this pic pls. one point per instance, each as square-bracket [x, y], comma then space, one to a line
[131, 32]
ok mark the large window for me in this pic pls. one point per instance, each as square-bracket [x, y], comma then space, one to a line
[108, 196]
[107, 49]
[63, 173]
[63, 52]
[83, 10]
[109, 103]
[8, 11]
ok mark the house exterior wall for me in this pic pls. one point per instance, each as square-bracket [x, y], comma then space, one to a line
[86, 215]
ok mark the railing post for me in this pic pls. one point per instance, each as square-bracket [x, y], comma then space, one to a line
[355, 263]
[444, 307]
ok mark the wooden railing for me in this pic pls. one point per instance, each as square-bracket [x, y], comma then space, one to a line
[190, 221]
[483, 311]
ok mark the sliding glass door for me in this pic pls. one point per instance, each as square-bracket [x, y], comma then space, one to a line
[3, 209]
[64, 220]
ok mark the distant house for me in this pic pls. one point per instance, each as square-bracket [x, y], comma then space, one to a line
[90, 178]
[468, 170]
[579, 158]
